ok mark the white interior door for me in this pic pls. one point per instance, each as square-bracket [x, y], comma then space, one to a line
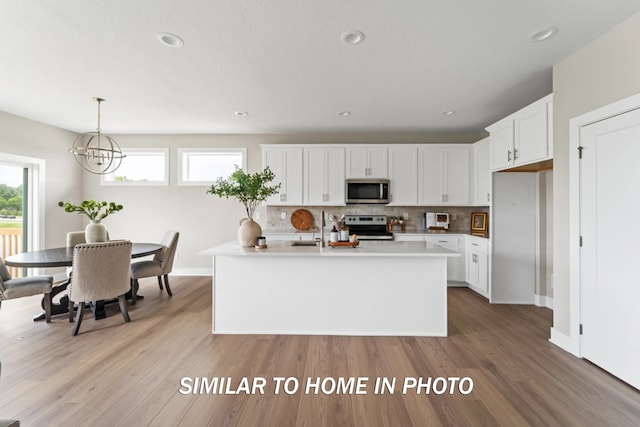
[610, 230]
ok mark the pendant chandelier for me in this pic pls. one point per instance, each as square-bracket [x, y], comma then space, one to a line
[97, 153]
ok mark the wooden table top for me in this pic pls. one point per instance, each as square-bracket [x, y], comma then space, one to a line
[63, 257]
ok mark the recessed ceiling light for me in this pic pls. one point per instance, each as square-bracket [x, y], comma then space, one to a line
[170, 40]
[448, 112]
[241, 113]
[542, 34]
[353, 37]
[344, 113]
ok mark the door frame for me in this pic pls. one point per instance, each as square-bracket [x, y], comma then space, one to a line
[35, 194]
[573, 342]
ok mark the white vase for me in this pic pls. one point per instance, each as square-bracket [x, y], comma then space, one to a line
[95, 232]
[248, 232]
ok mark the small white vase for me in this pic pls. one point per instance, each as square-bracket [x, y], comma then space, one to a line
[95, 232]
[248, 232]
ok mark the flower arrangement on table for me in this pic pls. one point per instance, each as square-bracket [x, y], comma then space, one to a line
[96, 211]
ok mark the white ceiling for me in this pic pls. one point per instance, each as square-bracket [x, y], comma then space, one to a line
[284, 63]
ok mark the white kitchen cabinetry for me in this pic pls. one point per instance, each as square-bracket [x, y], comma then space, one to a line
[286, 164]
[366, 162]
[477, 264]
[403, 175]
[482, 172]
[524, 137]
[324, 176]
[443, 175]
[455, 270]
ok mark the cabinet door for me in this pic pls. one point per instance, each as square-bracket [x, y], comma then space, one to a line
[366, 162]
[456, 170]
[286, 164]
[334, 169]
[482, 262]
[471, 268]
[324, 176]
[430, 176]
[531, 134]
[482, 171]
[455, 265]
[502, 140]
[403, 175]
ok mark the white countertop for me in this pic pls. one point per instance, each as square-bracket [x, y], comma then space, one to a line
[366, 248]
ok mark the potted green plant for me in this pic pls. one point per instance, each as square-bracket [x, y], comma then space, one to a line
[96, 212]
[250, 190]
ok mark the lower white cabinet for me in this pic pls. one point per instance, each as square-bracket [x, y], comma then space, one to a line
[455, 266]
[477, 264]
[471, 267]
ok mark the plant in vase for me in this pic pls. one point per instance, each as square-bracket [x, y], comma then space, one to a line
[96, 212]
[250, 190]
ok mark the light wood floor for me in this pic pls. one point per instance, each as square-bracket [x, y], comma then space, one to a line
[129, 374]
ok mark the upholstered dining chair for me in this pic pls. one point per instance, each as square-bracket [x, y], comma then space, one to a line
[160, 266]
[100, 271]
[26, 287]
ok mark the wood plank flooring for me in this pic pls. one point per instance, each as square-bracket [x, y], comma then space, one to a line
[117, 374]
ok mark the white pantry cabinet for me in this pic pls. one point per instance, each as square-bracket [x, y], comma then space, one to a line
[482, 172]
[286, 164]
[524, 137]
[366, 161]
[324, 176]
[403, 175]
[477, 264]
[443, 175]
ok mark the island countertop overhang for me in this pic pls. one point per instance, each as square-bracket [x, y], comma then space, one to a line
[366, 248]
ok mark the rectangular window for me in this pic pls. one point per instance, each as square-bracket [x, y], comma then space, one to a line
[141, 166]
[202, 166]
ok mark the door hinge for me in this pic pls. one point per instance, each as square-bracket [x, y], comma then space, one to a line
[580, 241]
[580, 328]
[580, 152]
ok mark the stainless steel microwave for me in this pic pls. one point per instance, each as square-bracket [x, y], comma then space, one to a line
[371, 190]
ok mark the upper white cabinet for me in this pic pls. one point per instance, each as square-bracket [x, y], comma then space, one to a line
[324, 175]
[482, 172]
[524, 137]
[443, 175]
[403, 175]
[366, 161]
[286, 163]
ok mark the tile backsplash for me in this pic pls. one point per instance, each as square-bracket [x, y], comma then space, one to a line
[459, 216]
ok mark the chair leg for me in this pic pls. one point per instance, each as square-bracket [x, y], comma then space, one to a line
[47, 307]
[70, 310]
[134, 291]
[160, 282]
[123, 308]
[79, 315]
[166, 284]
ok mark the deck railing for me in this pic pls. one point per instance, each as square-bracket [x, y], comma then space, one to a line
[11, 244]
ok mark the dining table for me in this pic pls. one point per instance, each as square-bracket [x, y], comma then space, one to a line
[63, 257]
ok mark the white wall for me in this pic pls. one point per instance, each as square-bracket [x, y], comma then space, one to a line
[604, 71]
[63, 179]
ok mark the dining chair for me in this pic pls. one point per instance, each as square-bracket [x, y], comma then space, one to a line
[26, 287]
[100, 271]
[160, 266]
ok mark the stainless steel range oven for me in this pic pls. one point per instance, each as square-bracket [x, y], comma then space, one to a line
[368, 227]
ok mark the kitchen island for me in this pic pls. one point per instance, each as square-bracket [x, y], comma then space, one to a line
[377, 288]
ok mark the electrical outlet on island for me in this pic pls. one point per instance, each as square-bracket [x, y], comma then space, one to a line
[283, 215]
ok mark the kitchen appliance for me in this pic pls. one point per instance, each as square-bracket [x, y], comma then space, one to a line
[371, 190]
[436, 220]
[368, 227]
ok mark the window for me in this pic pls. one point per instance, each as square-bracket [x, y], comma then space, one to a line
[141, 166]
[202, 166]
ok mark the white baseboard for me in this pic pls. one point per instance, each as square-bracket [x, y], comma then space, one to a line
[565, 342]
[189, 271]
[543, 301]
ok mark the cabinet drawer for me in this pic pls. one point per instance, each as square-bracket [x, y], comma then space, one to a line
[448, 242]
